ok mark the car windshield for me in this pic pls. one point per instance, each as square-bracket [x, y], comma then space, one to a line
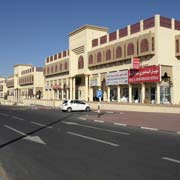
[65, 102]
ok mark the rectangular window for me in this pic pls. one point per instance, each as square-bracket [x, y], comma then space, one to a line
[177, 25]
[103, 39]
[153, 46]
[148, 23]
[112, 36]
[59, 55]
[64, 53]
[165, 22]
[123, 32]
[94, 42]
[55, 57]
[135, 28]
[177, 45]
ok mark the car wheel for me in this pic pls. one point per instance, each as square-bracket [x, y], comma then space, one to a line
[69, 109]
[87, 108]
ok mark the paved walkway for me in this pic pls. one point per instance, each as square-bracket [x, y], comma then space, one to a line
[145, 120]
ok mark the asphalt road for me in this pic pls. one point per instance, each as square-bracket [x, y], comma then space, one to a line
[46, 144]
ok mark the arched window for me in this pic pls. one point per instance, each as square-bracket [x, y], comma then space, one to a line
[65, 65]
[91, 59]
[118, 52]
[99, 57]
[56, 68]
[60, 67]
[80, 62]
[47, 70]
[108, 55]
[130, 49]
[144, 45]
[52, 70]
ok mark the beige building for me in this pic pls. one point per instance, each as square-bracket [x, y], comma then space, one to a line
[139, 63]
[10, 88]
[26, 83]
[3, 88]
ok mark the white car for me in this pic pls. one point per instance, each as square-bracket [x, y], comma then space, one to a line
[74, 105]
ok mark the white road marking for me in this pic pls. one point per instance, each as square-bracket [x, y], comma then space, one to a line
[99, 121]
[42, 125]
[15, 130]
[4, 114]
[178, 132]
[36, 139]
[153, 129]
[18, 118]
[92, 127]
[84, 119]
[172, 160]
[120, 124]
[69, 123]
[93, 139]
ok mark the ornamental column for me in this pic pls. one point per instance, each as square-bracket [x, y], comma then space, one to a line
[130, 93]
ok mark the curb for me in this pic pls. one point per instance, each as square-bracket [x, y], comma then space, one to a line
[126, 125]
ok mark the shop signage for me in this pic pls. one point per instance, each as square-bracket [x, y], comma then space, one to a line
[55, 87]
[115, 78]
[135, 63]
[146, 74]
[94, 81]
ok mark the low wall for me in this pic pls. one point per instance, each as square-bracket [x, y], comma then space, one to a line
[136, 107]
[106, 106]
[51, 103]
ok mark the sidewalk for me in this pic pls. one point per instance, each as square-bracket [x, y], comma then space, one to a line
[144, 120]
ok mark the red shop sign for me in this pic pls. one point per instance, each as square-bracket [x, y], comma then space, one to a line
[146, 74]
[135, 63]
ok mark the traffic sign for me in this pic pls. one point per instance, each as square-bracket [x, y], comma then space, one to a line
[99, 93]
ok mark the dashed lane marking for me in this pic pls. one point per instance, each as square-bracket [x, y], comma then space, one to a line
[170, 159]
[147, 128]
[99, 121]
[42, 125]
[18, 118]
[97, 128]
[120, 124]
[84, 119]
[93, 139]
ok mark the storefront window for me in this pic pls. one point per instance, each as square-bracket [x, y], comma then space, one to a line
[153, 94]
[135, 95]
[125, 95]
[165, 95]
[113, 93]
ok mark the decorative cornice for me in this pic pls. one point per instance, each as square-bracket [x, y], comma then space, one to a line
[87, 26]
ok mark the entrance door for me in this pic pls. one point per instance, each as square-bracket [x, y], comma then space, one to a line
[153, 94]
[135, 94]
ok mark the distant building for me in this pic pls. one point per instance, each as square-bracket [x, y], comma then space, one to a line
[3, 88]
[26, 83]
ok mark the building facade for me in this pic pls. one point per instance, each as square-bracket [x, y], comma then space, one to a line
[139, 63]
[3, 88]
[27, 82]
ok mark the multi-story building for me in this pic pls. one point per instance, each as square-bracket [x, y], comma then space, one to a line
[137, 63]
[57, 75]
[3, 89]
[26, 83]
[10, 88]
[29, 82]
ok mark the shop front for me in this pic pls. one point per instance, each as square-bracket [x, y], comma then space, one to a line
[148, 86]
[117, 84]
[94, 84]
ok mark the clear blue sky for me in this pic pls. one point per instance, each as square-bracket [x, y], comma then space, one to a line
[31, 30]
